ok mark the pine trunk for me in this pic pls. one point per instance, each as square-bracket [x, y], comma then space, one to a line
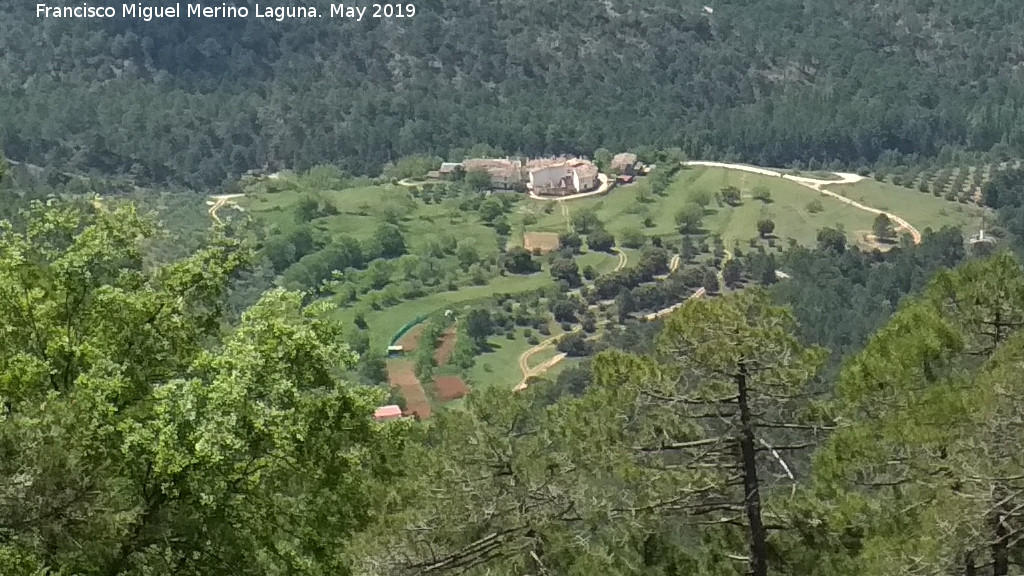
[751, 486]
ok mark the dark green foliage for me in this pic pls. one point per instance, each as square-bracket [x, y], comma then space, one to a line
[732, 272]
[731, 195]
[600, 241]
[710, 281]
[574, 344]
[219, 102]
[688, 218]
[833, 239]
[519, 261]
[882, 228]
[570, 241]
[585, 221]
[388, 242]
[566, 270]
[479, 326]
[841, 298]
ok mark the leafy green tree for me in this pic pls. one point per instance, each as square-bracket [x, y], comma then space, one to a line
[710, 281]
[731, 195]
[479, 326]
[570, 241]
[566, 270]
[882, 228]
[762, 193]
[732, 272]
[280, 252]
[491, 208]
[600, 240]
[603, 159]
[689, 217]
[302, 240]
[653, 261]
[625, 305]
[478, 179]
[519, 261]
[306, 209]
[574, 344]
[140, 433]
[467, 254]
[632, 238]
[765, 227]
[833, 239]
[701, 197]
[387, 242]
[585, 221]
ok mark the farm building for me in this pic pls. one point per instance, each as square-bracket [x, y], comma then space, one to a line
[624, 163]
[560, 176]
[505, 173]
[384, 413]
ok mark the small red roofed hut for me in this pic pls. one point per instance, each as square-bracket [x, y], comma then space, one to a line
[384, 413]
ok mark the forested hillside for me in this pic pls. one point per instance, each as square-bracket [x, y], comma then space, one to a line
[142, 433]
[777, 81]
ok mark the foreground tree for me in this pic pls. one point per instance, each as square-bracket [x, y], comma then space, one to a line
[139, 436]
[734, 372]
[921, 432]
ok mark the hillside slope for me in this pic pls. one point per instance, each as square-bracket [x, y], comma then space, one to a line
[196, 101]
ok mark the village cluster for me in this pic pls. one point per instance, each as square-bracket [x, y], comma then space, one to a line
[558, 176]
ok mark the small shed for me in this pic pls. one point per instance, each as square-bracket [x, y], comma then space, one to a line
[396, 350]
[624, 179]
[384, 413]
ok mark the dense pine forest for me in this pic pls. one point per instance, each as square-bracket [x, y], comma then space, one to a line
[773, 82]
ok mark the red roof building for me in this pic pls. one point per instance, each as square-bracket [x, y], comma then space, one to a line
[384, 413]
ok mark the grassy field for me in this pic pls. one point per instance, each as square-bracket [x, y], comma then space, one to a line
[921, 209]
[624, 209]
[361, 210]
[384, 323]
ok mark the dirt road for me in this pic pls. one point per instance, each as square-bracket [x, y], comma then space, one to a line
[217, 202]
[818, 185]
[673, 264]
[623, 259]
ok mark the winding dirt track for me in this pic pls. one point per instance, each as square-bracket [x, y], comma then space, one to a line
[623, 259]
[218, 202]
[818, 185]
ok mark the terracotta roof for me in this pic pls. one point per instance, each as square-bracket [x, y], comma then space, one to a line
[388, 412]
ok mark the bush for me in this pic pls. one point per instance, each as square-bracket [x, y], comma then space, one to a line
[815, 206]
